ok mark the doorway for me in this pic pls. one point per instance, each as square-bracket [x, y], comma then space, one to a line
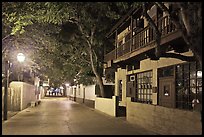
[120, 90]
[167, 92]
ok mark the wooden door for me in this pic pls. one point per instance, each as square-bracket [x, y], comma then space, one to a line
[167, 92]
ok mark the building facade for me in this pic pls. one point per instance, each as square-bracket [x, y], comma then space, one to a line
[163, 94]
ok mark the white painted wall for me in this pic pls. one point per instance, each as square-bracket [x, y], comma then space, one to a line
[26, 91]
[106, 105]
[121, 75]
[89, 91]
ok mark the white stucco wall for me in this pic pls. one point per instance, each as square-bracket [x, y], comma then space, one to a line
[106, 105]
[121, 75]
[26, 91]
[89, 91]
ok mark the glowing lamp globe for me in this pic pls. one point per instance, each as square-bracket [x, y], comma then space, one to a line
[20, 57]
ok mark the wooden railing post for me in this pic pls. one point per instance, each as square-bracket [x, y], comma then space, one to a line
[131, 30]
[116, 42]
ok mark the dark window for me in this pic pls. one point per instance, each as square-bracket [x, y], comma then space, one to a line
[188, 85]
[159, 13]
[166, 71]
[144, 87]
[140, 23]
[127, 37]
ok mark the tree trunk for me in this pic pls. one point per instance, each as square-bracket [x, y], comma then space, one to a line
[157, 33]
[89, 40]
[98, 77]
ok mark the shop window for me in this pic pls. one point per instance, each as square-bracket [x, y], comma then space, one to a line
[188, 85]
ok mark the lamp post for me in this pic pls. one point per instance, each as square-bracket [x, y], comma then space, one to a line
[6, 88]
[21, 58]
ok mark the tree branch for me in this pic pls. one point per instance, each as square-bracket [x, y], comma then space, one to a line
[96, 58]
[92, 33]
[4, 49]
[6, 37]
[155, 28]
[178, 56]
[172, 15]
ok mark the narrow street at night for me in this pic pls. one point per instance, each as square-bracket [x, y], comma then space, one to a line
[102, 68]
[60, 116]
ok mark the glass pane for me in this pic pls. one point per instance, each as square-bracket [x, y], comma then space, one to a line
[186, 75]
[182, 91]
[139, 81]
[192, 91]
[168, 71]
[199, 74]
[192, 82]
[144, 97]
[150, 91]
[179, 97]
[179, 83]
[199, 89]
[179, 68]
[186, 67]
[150, 86]
[193, 74]
[192, 66]
[199, 82]
[145, 91]
[179, 75]
[148, 97]
[186, 83]
[151, 73]
[200, 97]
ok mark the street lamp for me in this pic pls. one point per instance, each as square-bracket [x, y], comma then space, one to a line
[21, 58]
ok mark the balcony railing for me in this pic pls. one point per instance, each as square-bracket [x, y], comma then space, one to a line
[141, 39]
[110, 56]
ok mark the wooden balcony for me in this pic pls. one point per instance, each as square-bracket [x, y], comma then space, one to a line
[110, 56]
[143, 41]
